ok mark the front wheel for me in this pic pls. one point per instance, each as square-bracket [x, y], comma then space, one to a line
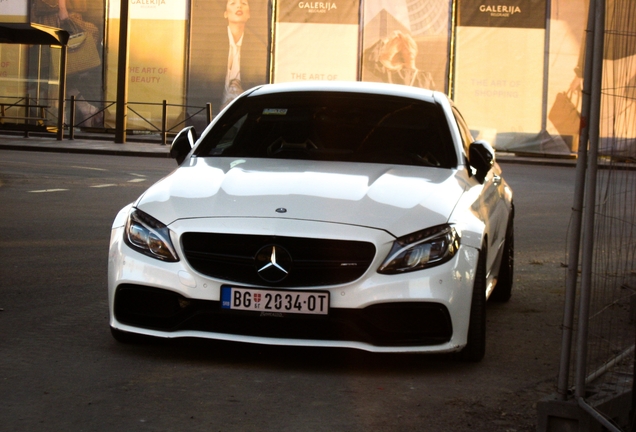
[503, 289]
[475, 348]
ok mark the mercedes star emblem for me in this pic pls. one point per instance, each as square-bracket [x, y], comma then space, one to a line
[273, 263]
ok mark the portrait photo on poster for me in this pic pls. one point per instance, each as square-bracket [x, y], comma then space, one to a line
[406, 44]
[228, 51]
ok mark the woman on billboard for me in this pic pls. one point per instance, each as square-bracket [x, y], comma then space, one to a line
[228, 52]
[237, 13]
[392, 60]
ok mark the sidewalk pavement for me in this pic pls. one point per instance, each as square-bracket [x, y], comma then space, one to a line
[150, 146]
[104, 145]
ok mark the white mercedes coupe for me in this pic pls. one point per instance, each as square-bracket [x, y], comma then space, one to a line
[353, 215]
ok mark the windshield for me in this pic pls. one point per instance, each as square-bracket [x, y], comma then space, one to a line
[333, 126]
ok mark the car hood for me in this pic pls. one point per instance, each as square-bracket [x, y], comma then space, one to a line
[397, 199]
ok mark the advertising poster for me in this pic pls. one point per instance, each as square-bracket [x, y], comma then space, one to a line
[618, 104]
[229, 45]
[407, 42]
[156, 62]
[568, 20]
[84, 20]
[14, 11]
[316, 41]
[499, 64]
[12, 67]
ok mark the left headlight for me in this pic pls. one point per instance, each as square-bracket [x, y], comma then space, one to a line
[422, 249]
[148, 236]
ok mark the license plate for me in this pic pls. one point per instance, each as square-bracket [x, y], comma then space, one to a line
[259, 300]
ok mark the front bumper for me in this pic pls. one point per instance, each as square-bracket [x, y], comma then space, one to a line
[382, 325]
[423, 311]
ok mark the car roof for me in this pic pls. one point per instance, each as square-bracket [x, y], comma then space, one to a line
[352, 87]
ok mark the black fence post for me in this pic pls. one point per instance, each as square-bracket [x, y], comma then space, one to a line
[164, 123]
[27, 110]
[71, 126]
[208, 112]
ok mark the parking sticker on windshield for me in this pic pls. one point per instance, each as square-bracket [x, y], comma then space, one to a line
[275, 111]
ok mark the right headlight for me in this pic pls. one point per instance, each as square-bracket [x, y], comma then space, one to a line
[422, 249]
[148, 236]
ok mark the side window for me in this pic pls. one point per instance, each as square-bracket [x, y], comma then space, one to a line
[467, 137]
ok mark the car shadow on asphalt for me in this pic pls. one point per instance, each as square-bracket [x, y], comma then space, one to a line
[300, 359]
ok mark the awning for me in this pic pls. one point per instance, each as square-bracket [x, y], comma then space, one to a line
[32, 34]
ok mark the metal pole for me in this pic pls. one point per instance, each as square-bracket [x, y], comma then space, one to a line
[208, 112]
[450, 91]
[71, 120]
[632, 416]
[590, 199]
[546, 66]
[27, 110]
[577, 212]
[164, 122]
[596, 416]
[122, 76]
[62, 94]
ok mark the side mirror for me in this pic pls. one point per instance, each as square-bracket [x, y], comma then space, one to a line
[183, 143]
[481, 158]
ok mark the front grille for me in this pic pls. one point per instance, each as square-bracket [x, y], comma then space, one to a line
[387, 324]
[314, 262]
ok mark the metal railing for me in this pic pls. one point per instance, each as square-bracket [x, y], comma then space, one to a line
[31, 112]
[163, 129]
[46, 114]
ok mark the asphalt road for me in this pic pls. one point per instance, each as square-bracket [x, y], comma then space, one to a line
[60, 369]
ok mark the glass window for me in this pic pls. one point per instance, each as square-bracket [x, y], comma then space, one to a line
[333, 126]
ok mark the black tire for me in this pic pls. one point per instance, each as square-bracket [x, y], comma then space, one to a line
[475, 348]
[129, 338]
[503, 289]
